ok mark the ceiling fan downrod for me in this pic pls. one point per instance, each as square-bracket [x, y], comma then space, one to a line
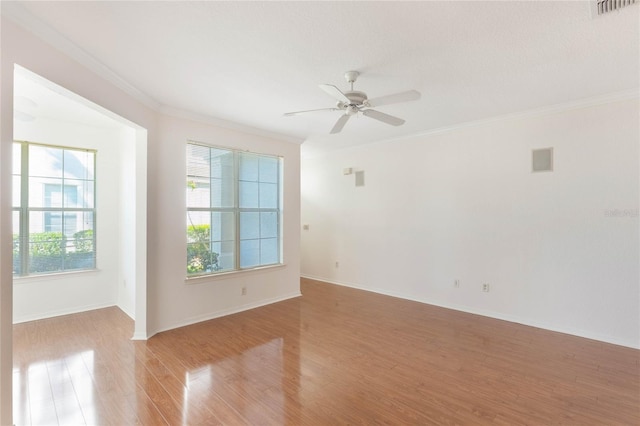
[351, 77]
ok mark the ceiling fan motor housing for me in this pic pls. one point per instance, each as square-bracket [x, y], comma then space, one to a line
[356, 101]
[356, 97]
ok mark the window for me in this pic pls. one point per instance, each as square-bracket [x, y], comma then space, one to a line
[233, 210]
[53, 209]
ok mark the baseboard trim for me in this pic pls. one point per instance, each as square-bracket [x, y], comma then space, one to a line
[139, 336]
[128, 312]
[484, 313]
[225, 312]
[62, 312]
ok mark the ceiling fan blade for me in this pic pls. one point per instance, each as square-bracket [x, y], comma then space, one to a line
[409, 95]
[335, 93]
[289, 114]
[385, 118]
[340, 123]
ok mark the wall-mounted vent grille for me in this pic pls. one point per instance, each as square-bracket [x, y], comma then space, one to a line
[601, 7]
[542, 160]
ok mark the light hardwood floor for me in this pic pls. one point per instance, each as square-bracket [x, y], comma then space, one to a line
[334, 356]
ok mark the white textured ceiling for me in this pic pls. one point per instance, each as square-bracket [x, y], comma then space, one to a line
[35, 97]
[250, 62]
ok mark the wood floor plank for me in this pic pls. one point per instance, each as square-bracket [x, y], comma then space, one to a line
[335, 355]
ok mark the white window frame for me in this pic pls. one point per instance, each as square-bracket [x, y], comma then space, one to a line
[25, 209]
[237, 211]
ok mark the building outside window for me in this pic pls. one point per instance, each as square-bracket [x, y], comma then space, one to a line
[233, 210]
[54, 214]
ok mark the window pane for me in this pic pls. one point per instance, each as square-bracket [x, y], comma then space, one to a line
[198, 192]
[249, 167]
[222, 192]
[249, 253]
[37, 222]
[198, 225]
[80, 243]
[15, 190]
[39, 262]
[17, 259]
[15, 222]
[85, 221]
[249, 225]
[268, 225]
[269, 169]
[17, 158]
[209, 177]
[206, 249]
[249, 195]
[71, 223]
[45, 161]
[78, 193]
[269, 251]
[198, 161]
[46, 247]
[221, 163]
[200, 258]
[227, 256]
[45, 192]
[268, 195]
[223, 226]
[78, 164]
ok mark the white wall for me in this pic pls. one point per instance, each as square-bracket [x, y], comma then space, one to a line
[43, 296]
[162, 299]
[463, 204]
[126, 189]
[184, 302]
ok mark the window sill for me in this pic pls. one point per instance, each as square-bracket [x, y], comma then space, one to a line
[51, 277]
[230, 274]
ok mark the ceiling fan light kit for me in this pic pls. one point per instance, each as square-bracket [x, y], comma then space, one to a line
[353, 101]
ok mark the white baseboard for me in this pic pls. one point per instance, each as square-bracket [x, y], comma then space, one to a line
[127, 311]
[486, 313]
[60, 312]
[140, 336]
[225, 312]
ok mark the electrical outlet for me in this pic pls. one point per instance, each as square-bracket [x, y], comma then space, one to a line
[456, 283]
[485, 287]
[244, 291]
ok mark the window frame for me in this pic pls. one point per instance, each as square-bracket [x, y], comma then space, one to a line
[24, 211]
[236, 210]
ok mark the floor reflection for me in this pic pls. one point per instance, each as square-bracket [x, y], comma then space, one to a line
[335, 356]
[56, 391]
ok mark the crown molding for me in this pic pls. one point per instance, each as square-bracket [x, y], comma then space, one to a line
[19, 15]
[226, 124]
[22, 17]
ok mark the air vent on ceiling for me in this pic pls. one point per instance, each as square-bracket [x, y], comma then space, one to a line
[601, 7]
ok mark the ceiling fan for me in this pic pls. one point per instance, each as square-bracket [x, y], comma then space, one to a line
[354, 101]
